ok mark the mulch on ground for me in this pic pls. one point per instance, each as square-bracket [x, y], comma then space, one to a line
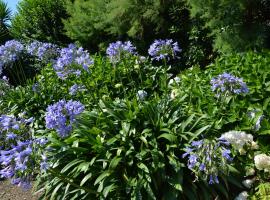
[12, 192]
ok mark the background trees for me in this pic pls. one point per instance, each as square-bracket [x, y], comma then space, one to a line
[5, 15]
[40, 20]
[235, 25]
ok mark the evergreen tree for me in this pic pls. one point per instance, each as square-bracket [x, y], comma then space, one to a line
[235, 25]
[40, 20]
[95, 21]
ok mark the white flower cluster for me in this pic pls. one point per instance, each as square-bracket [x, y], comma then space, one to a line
[238, 139]
[262, 162]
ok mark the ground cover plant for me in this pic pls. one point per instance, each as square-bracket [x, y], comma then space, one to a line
[132, 122]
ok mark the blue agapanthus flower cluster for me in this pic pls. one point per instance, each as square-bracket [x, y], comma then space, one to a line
[74, 89]
[19, 161]
[208, 159]
[72, 60]
[10, 123]
[61, 115]
[16, 161]
[164, 49]
[10, 52]
[119, 50]
[228, 84]
[17, 157]
[43, 51]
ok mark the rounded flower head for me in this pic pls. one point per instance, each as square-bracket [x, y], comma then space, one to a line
[9, 52]
[262, 162]
[61, 115]
[43, 51]
[118, 50]
[74, 89]
[71, 61]
[227, 83]
[164, 49]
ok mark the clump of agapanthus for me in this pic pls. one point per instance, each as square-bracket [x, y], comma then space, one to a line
[262, 162]
[239, 139]
[19, 161]
[62, 115]
[228, 84]
[120, 50]
[16, 163]
[10, 52]
[72, 60]
[43, 51]
[74, 89]
[208, 159]
[164, 50]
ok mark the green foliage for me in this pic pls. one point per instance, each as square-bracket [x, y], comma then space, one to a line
[236, 25]
[40, 20]
[126, 149]
[5, 15]
[262, 192]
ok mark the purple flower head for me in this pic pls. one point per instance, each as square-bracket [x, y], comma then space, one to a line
[118, 50]
[72, 60]
[226, 154]
[73, 90]
[206, 158]
[192, 161]
[61, 115]
[213, 179]
[43, 51]
[164, 49]
[197, 143]
[10, 52]
[227, 83]
[11, 136]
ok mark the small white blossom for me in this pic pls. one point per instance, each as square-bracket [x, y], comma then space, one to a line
[174, 80]
[248, 183]
[262, 162]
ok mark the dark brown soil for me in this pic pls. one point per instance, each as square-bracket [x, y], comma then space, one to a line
[11, 192]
